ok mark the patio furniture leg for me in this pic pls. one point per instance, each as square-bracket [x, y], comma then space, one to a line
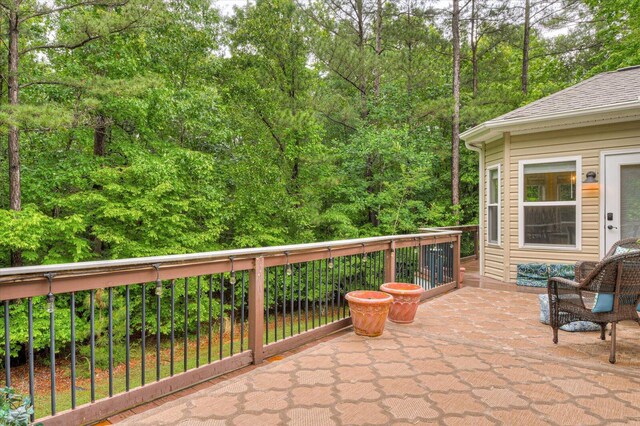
[555, 335]
[612, 357]
[603, 329]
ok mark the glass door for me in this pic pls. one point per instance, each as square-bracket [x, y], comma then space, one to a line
[622, 198]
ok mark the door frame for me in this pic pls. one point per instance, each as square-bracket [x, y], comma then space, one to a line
[603, 177]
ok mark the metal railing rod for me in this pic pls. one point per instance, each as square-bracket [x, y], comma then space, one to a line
[242, 313]
[172, 338]
[185, 344]
[143, 337]
[7, 345]
[210, 329]
[31, 358]
[110, 336]
[127, 339]
[92, 338]
[72, 317]
[198, 290]
[158, 333]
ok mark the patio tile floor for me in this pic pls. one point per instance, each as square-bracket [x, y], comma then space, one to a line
[474, 356]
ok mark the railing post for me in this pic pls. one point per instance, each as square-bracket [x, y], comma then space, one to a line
[256, 310]
[390, 263]
[456, 260]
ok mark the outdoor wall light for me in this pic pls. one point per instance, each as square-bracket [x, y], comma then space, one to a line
[591, 182]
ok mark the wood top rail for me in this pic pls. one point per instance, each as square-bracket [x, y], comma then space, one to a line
[461, 228]
[30, 281]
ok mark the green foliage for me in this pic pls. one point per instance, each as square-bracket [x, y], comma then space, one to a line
[14, 409]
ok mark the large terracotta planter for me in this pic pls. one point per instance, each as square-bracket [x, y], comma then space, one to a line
[369, 311]
[405, 301]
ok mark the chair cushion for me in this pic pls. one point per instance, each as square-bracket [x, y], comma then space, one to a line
[603, 303]
[532, 275]
[562, 270]
[574, 326]
[624, 250]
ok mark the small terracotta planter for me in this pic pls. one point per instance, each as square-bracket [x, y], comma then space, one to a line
[369, 311]
[405, 301]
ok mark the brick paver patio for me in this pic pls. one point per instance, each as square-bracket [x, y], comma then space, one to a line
[474, 356]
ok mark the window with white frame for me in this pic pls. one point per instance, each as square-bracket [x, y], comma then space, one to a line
[493, 204]
[550, 202]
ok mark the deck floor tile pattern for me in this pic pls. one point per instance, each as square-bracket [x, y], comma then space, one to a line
[472, 357]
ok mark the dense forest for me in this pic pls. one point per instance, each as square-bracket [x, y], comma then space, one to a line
[142, 127]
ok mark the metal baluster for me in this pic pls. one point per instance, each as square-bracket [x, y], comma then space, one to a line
[110, 335]
[266, 302]
[72, 317]
[326, 290]
[31, 362]
[173, 328]
[341, 260]
[292, 284]
[275, 305]
[306, 297]
[158, 310]
[284, 302]
[143, 344]
[92, 315]
[232, 281]
[198, 323]
[210, 332]
[52, 353]
[7, 346]
[333, 290]
[221, 313]
[313, 294]
[185, 348]
[242, 314]
[299, 297]
[127, 325]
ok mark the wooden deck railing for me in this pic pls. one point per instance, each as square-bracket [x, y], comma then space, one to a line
[470, 239]
[120, 333]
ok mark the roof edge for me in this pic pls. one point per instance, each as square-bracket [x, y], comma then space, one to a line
[489, 129]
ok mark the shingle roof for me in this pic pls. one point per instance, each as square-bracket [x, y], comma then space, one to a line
[606, 89]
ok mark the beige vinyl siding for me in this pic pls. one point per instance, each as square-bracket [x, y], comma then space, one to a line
[493, 255]
[586, 142]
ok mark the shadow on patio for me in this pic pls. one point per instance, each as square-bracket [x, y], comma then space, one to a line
[473, 356]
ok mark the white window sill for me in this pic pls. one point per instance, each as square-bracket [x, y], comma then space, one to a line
[544, 247]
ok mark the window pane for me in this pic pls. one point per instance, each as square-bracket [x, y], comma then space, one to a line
[493, 224]
[555, 225]
[630, 201]
[493, 186]
[550, 181]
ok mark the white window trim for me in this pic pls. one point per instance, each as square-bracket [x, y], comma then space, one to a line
[499, 204]
[577, 203]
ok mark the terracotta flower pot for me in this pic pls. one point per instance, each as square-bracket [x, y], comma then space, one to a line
[405, 301]
[369, 311]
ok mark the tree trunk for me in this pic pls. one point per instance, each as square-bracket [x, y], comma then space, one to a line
[100, 136]
[525, 47]
[455, 122]
[376, 84]
[474, 48]
[15, 198]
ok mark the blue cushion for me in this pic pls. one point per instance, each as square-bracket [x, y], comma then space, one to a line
[603, 303]
[624, 250]
[574, 326]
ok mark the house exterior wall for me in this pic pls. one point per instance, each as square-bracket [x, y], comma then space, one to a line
[493, 258]
[587, 143]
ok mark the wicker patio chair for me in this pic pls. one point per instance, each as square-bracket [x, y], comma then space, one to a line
[617, 274]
